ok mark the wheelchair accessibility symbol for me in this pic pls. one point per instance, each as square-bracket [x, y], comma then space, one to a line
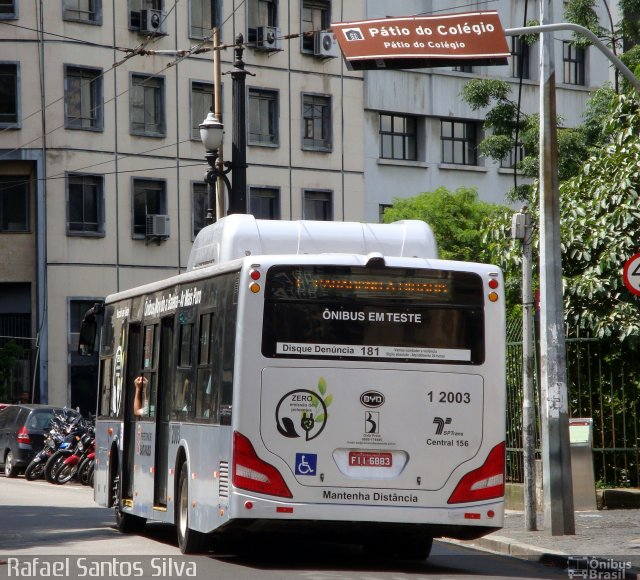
[306, 463]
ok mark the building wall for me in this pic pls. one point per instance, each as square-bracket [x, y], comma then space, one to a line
[63, 267]
[434, 94]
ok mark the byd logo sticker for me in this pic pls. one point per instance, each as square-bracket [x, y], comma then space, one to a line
[372, 399]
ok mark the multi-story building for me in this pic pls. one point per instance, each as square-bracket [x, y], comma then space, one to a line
[418, 132]
[101, 164]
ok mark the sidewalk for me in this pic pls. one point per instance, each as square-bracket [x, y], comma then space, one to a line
[605, 534]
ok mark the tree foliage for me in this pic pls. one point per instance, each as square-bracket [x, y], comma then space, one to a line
[505, 127]
[10, 353]
[456, 218]
[600, 218]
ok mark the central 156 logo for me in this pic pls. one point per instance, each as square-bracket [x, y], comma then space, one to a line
[303, 411]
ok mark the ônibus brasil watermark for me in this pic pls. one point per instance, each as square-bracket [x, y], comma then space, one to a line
[596, 568]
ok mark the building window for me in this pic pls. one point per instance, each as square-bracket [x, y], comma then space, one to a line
[8, 9]
[318, 205]
[85, 195]
[14, 203]
[83, 98]
[520, 58]
[88, 11]
[203, 16]
[147, 106]
[573, 60]
[77, 310]
[149, 198]
[83, 370]
[459, 142]
[8, 95]
[316, 119]
[263, 117]
[316, 15]
[515, 156]
[199, 207]
[260, 13]
[382, 207]
[265, 202]
[465, 68]
[398, 137]
[202, 102]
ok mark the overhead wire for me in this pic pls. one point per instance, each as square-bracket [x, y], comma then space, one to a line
[151, 38]
[143, 51]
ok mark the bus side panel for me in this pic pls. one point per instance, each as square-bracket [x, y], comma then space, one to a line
[107, 435]
[208, 453]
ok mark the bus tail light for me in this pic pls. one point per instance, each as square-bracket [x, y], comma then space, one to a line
[486, 482]
[252, 473]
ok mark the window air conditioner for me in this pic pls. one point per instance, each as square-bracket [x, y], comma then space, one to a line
[153, 21]
[157, 226]
[325, 44]
[268, 38]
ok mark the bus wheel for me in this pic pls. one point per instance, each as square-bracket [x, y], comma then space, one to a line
[125, 523]
[189, 541]
[414, 549]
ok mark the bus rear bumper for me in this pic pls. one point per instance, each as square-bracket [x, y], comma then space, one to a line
[463, 523]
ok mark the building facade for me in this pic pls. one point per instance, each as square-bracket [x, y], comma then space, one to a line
[101, 165]
[418, 132]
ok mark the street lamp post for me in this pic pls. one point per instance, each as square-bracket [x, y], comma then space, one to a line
[211, 132]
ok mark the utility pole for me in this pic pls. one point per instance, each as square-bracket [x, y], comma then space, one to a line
[556, 457]
[521, 230]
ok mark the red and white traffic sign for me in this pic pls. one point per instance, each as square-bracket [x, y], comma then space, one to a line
[631, 274]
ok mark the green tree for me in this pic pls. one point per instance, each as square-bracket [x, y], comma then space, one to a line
[456, 218]
[504, 126]
[10, 353]
[600, 218]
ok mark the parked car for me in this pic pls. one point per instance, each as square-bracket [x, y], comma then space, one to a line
[23, 429]
[3, 406]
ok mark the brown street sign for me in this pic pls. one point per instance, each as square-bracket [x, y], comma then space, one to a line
[472, 38]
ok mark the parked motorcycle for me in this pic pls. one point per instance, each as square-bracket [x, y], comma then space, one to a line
[59, 425]
[71, 465]
[76, 430]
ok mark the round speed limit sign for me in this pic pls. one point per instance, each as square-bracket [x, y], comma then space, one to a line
[631, 274]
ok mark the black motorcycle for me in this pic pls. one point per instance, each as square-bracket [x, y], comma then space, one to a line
[59, 426]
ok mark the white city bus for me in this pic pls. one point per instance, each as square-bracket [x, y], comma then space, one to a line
[317, 377]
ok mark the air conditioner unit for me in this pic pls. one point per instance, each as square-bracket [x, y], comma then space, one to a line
[325, 45]
[153, 22]
[268, 38]
[157, 226]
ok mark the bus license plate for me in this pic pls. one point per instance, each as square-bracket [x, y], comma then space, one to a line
[369, 459]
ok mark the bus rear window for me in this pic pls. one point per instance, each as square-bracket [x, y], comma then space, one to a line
[352, 313]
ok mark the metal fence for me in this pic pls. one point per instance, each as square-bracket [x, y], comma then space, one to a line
[603, 382]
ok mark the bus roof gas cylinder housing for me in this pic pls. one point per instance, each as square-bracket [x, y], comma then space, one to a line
[240, 235]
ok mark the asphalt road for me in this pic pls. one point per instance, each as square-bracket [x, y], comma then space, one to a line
[57, 531]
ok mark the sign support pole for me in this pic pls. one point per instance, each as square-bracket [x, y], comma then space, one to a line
[556, 452]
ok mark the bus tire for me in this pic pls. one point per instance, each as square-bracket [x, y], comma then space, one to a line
[125, 523]
[189, 541]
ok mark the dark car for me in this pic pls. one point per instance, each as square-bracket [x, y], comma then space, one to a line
[23, 429]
